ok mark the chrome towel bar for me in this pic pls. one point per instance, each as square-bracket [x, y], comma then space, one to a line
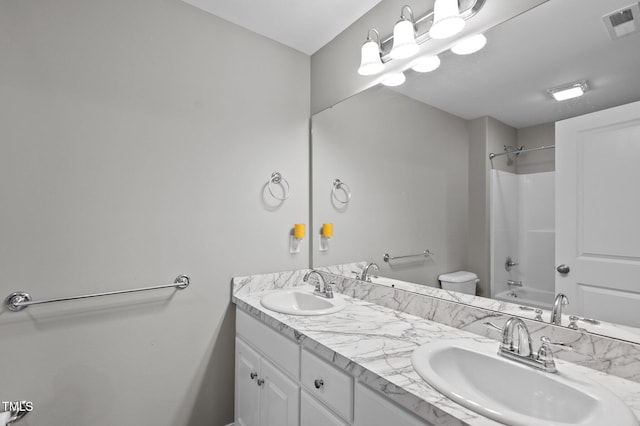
[388, 258]
[21, 300]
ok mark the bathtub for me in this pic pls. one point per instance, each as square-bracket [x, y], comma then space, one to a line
[528, 297]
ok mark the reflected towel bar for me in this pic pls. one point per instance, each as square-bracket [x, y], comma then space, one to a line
[388, 258]
[21, 300]
[519, 151]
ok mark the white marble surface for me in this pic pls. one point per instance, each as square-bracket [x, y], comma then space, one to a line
[612, 356]
[374, 343]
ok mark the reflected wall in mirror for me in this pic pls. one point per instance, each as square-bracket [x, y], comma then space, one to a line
[417, 162]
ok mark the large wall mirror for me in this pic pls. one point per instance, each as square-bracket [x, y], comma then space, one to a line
[406, 170]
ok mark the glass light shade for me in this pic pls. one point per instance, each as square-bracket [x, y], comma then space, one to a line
[469, 45]
[394, 79]
[447, 21]
[563, 95]
[370, 62]
[404, 40]
[426, 64]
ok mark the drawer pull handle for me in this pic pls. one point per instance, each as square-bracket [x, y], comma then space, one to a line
[260, 382]
[318, 383]
[254, 375]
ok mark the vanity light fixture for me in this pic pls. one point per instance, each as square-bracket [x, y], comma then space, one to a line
[404, 35]
[569, 91]
[469, 45]
[447, 20]
[394, 79]
[411, 32]
[426, 63]
[371, 61]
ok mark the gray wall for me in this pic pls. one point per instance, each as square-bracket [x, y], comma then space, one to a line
[538, 161]
[486, 135]
[136, 138]
[406, 165]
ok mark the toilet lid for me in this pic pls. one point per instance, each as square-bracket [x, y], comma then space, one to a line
[458, 277]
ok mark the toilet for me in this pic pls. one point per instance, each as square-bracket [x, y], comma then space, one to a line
[460, 281]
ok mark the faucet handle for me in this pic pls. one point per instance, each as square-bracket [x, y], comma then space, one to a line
[538, 312]
[546, 342]
[492, 326]
[328, 291]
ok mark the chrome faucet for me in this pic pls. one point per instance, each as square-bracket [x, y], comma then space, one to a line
[365, 273]
[556, 312]
[510, 345]
[514, 283]
[521, 349]
[518, 347]
[322, 288]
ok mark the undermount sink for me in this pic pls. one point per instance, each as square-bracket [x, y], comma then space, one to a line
[302, 302]
[472, 374]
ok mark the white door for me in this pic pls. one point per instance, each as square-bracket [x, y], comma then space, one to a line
[598, 213]
[247, 394]
[280, 399]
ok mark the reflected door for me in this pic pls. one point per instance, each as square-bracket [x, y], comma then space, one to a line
[598, 214]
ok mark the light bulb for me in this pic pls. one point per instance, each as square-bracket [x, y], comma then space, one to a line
[447, 21]
[404, 40]
[394, 79]
[469, 45]
[370, 63]
[426, 64]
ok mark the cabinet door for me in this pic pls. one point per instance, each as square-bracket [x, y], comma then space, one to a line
[247, 394]
[279, 399]
[374, 409]
[313, 413]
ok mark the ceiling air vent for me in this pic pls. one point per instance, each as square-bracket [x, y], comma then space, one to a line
[623, 22]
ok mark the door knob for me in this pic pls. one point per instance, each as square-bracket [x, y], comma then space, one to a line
[563, 269]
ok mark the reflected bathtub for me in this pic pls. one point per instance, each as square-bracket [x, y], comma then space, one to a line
[528, 297]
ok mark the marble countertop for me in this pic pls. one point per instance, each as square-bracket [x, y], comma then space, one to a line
[375, 345]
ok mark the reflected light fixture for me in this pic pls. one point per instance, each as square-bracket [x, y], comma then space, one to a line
[426, 63]
[404, 36]
[394, 79]
[569, 91]
[469, 45]
[447, 21]
[371, 62]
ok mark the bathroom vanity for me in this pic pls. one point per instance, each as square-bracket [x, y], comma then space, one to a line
[352, 367]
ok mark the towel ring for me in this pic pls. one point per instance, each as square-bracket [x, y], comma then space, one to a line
[277, 178]
[338, 184]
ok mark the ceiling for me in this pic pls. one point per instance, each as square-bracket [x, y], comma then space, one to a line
[558, 42]
[304, 25]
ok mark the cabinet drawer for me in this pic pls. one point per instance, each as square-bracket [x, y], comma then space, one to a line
[374, 409]
[282, 351]
[327, 383]
[313, 413]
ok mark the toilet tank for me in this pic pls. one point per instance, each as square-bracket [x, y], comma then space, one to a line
[460, 281]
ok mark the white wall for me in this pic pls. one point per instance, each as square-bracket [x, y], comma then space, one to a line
[136, 138]
[406, 165]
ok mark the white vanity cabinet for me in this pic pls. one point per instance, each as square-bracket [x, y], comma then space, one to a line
[267, 390]
[278, 384]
